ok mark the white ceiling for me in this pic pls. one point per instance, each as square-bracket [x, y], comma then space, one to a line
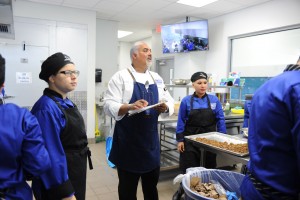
[143, 16]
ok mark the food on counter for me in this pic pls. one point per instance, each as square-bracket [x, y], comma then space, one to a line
[205, 189]
[238, 148]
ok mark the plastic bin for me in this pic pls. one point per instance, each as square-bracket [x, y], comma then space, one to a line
[231, 181]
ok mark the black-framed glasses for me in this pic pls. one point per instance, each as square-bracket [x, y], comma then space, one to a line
[70, 73]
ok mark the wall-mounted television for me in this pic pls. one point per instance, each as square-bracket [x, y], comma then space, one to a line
[185, 37]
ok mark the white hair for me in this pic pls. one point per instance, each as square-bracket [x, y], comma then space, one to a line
[135, 48]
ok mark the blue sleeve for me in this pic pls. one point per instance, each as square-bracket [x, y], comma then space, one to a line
[246, 113]
[51, 128]
[296, 127]
[182, 117]
[221, 126]
[35, 157]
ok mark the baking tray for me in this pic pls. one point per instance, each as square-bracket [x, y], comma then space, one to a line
[220, 137]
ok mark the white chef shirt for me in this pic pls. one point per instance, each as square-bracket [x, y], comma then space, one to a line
[120, 89]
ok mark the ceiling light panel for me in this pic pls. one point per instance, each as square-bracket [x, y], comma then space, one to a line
[196, 3]
[122, 34]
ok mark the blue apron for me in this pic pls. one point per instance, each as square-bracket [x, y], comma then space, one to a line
[135, 146]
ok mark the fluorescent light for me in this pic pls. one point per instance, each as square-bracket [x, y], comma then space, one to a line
[123, 33]
[196, 3]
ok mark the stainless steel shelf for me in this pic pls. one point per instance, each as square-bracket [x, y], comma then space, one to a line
[190, 86]
[168, 146]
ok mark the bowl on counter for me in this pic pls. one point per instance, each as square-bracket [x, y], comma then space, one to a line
[181, 81]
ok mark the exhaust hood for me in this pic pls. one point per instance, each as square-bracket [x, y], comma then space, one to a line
[6, 20]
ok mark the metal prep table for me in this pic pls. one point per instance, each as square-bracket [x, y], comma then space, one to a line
[238, 159]
[168, 144]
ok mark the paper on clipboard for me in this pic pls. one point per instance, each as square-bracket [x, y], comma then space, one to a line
[133, 112]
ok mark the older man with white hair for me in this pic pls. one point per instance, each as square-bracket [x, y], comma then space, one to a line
[135, 148]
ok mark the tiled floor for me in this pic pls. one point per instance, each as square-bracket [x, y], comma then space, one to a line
[102, 181]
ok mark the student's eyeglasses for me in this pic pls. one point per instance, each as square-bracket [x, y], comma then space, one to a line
[69, 73]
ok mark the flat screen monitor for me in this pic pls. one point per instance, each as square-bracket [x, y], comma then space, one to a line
[185, 37]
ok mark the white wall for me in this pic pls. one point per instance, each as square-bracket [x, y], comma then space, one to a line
[106, 52]
[273, 14]
[124, 57]
[68, 15]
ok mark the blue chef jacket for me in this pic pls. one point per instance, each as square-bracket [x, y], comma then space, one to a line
[46, 110]
[274, 137]
[185, 108]
[22, 149]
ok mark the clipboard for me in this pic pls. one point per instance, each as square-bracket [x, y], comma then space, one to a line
[133, 112]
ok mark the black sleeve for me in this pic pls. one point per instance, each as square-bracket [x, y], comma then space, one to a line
[62, 191]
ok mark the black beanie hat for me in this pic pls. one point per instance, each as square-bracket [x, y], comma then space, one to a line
[198, 75]
[53, 64]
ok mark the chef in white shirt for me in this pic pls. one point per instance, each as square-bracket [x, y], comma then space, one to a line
[135, 148]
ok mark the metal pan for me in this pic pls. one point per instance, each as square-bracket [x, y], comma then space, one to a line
[220, 137]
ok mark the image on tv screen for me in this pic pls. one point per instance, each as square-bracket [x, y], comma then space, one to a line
[185, 37]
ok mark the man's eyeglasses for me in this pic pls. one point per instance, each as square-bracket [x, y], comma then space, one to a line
[70, 73]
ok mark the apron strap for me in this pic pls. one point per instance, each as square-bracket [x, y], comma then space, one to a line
[134, 78]
[152, 77]
[131, 75]
[89, 154]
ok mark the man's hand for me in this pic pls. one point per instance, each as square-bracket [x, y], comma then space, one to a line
[133, 106]
[161, 108]
[180, 147]
[138, 104]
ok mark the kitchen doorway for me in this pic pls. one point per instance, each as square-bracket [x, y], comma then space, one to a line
[165, 68]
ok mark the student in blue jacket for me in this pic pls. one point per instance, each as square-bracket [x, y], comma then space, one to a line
[198, 113]
[274, 139]
[22, 148]
[63, 131]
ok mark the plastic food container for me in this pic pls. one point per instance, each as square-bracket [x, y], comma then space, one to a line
[237, 111]
[230, 181]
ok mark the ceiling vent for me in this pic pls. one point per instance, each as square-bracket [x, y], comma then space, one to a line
[6, 20]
